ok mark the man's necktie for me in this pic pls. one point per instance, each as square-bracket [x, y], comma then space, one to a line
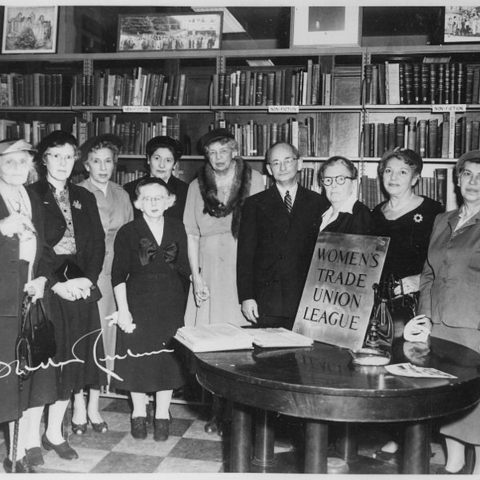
[288, 201]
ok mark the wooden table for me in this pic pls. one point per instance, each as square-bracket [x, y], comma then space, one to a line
[321, 385]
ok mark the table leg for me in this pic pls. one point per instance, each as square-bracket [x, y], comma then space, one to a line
[241, 439]
[316, 446]
[346, 445]
[264, 439]
[417, 448]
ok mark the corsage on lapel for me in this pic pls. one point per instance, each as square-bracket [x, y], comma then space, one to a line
[76, 204]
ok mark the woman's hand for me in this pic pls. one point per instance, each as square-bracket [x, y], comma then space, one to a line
[35, 288]
[17, 224]
[200, 290]
[418, 329]
[250, 310]
[409, 284]
[125, 321]
[74, 289]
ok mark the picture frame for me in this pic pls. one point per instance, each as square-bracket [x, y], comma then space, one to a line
[461, 24]
[30, 29]
[329, 25]
[170, 31]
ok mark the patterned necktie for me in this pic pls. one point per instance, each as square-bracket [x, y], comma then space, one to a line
[288, 201]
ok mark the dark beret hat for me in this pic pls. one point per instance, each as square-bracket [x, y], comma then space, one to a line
[215, 136]
[55, 139]
[471, 155]
[164, 142]
[93, 142]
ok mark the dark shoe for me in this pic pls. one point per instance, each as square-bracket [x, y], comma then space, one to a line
[34, 456]
[442, 471]
[161, 429]
[139, 427]
[211, 426]
[64, 450]
[21, 466]
[99, 427]
[79, 428]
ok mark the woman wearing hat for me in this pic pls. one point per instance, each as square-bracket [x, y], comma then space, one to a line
[23, 250]
[163, 153]
[74, 233]
[212, 220]
[99, 156]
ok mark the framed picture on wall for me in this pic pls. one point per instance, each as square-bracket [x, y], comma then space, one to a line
[462, 25]
[30, 29]
[161, 31]
[318, 26]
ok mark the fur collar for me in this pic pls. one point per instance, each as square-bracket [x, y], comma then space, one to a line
[240, 190]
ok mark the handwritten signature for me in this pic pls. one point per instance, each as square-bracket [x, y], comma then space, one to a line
[7, 368]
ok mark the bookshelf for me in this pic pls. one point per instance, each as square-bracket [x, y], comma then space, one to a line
[328, 101]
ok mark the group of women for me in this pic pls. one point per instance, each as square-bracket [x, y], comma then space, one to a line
[150, 274]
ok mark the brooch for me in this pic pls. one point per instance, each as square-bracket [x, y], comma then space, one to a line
[77, 204]
[418, 218]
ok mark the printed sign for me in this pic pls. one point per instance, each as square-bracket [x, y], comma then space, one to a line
[338, 297]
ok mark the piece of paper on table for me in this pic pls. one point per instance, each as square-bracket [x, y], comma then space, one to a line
[409, 370]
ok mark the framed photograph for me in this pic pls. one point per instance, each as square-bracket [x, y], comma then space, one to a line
[162, 31]
[462, 25]
[317, 26]
[30, 29]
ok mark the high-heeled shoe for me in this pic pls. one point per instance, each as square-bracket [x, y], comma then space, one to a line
[63, 450]
[79, 428]
[444, 471]
[101, 427]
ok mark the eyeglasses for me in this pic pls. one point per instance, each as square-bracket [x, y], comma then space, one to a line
[58, 158]
[340, 179]
[286, 162]
[154, 199]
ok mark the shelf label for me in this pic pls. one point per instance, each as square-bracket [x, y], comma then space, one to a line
[136, 109]
[283, 109]
[449, 108]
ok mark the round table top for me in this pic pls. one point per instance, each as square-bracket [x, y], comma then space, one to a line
[321, 382]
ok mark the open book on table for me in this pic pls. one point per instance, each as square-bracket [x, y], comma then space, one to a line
[226, 336]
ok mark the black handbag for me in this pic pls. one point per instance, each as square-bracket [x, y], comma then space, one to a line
[36, 342]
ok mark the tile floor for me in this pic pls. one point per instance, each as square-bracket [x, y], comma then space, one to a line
[189, 449]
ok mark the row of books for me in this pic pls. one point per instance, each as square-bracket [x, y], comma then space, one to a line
[32, 132]
[285, 86]
[254, 138]
[429, 138]
[422, 83]
[34, 90]
[137, 89]
[282, 86]
[134, 135]
[371, 193]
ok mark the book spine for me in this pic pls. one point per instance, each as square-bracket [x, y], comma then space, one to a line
[433, 83]
[424, 84]
[408, 83]
[469, 85]
[399, 131]
[441, 84]
[422, 138]
[460, 84]
[432, 138]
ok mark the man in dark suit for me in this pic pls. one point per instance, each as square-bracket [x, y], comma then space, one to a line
[278, 232]
[162, 155]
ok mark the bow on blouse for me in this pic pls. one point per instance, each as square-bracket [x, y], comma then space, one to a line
[148, 251]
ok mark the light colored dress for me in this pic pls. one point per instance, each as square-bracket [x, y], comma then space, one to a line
[115, 211]
[217, 260]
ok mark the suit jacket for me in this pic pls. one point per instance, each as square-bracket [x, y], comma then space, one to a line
[451, 274]
[89, 234]
[359, 222]
[14, 270]
[275, 249]
[176, 186]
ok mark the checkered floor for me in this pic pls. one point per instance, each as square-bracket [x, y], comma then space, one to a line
[188, 450]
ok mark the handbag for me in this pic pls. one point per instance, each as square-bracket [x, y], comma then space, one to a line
[36, 342]
[402, 307]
